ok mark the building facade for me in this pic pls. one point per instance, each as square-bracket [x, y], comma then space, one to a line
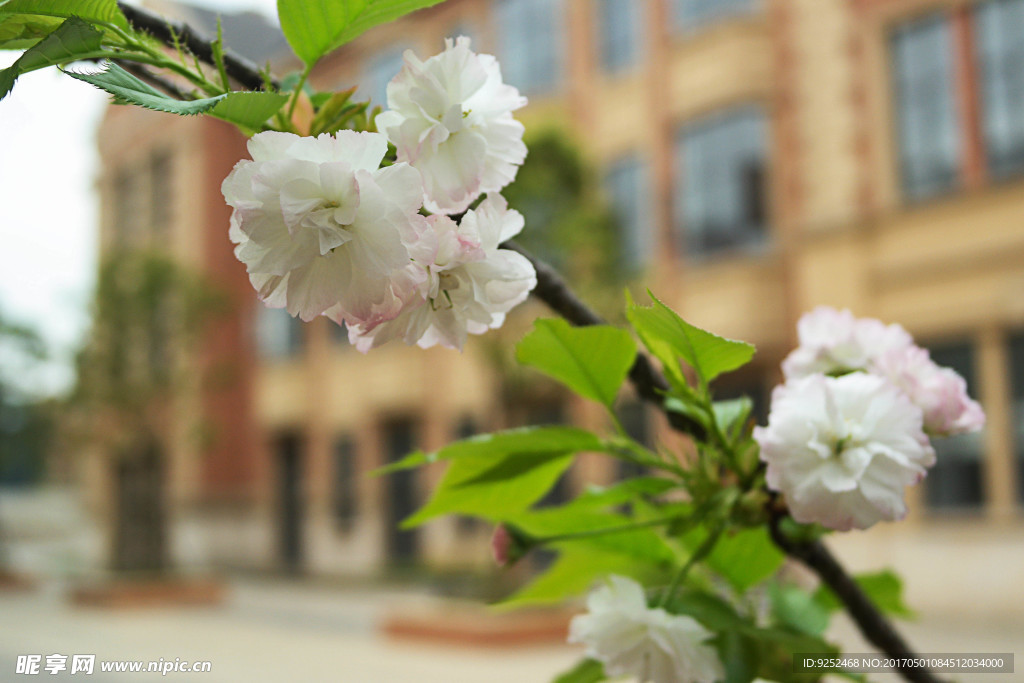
[764, 157]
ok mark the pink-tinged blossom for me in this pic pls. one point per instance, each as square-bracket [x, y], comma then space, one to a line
[470, 285]
[320, 226]
[842, 449]
[834, 342]
[940, 392]
[451, 117]
[648, 644]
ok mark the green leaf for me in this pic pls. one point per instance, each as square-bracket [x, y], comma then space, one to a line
[467, 489]
[246, 109]
[732, 415]
[552, 439]
[249, 110]
[22, 31]
[592, 361]
[798, 609]
[641, 543]
[669, 337]
[96, 11]
[586, 671]
[739, 655]
[315, 27]
[574, 573]
[710, 610]
[74, 39]
[883, 587]
[746, 558]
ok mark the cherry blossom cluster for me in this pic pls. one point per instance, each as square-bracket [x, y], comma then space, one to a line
[850, 428]
[324, 229]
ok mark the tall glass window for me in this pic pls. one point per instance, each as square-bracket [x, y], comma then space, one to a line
[626, 184]
[955, 482]
[689, 15]
[927, 119]
[530, 35]
[345, 482]
[278, 335]
[720, 181]
[620, 27]
[999, 43]
[1017, 408]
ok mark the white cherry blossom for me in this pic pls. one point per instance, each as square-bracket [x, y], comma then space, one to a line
[451, 117]
[834, 341]
[632, 639]
[320, 226]
[471, 283]
[842, 449]
[940, 392]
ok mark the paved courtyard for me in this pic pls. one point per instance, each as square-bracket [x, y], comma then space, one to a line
[282, 631]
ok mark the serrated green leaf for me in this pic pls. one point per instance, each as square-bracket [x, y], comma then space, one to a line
[74, 39]
[669, 338]
[493, 499]
[249, 110]
[883, 587]
[551, 439]
[592, 361]
[315, 27]
[586, 671]
[246, 109]
[102, 11]
[745, 558]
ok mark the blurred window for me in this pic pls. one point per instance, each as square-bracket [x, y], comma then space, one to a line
[345, 482]
[161, 192]
[1017, 408]
[955, 482]
[530, 35]
[689, 15]
[126, 207]
[278, 335]
[999, 42]
[380, 69]
[929, 138]
[720, 178]
[620, 27]
[626, 185]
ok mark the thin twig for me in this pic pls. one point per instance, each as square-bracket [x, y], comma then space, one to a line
[171, 33]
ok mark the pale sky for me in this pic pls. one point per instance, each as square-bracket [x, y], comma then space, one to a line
[49, 209]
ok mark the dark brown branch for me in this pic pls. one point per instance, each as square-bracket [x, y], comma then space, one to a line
[239, 68]
[144, 74]
[875, 627]
[648, 382]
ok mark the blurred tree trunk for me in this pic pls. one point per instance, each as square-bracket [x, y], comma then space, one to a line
[140, 537]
